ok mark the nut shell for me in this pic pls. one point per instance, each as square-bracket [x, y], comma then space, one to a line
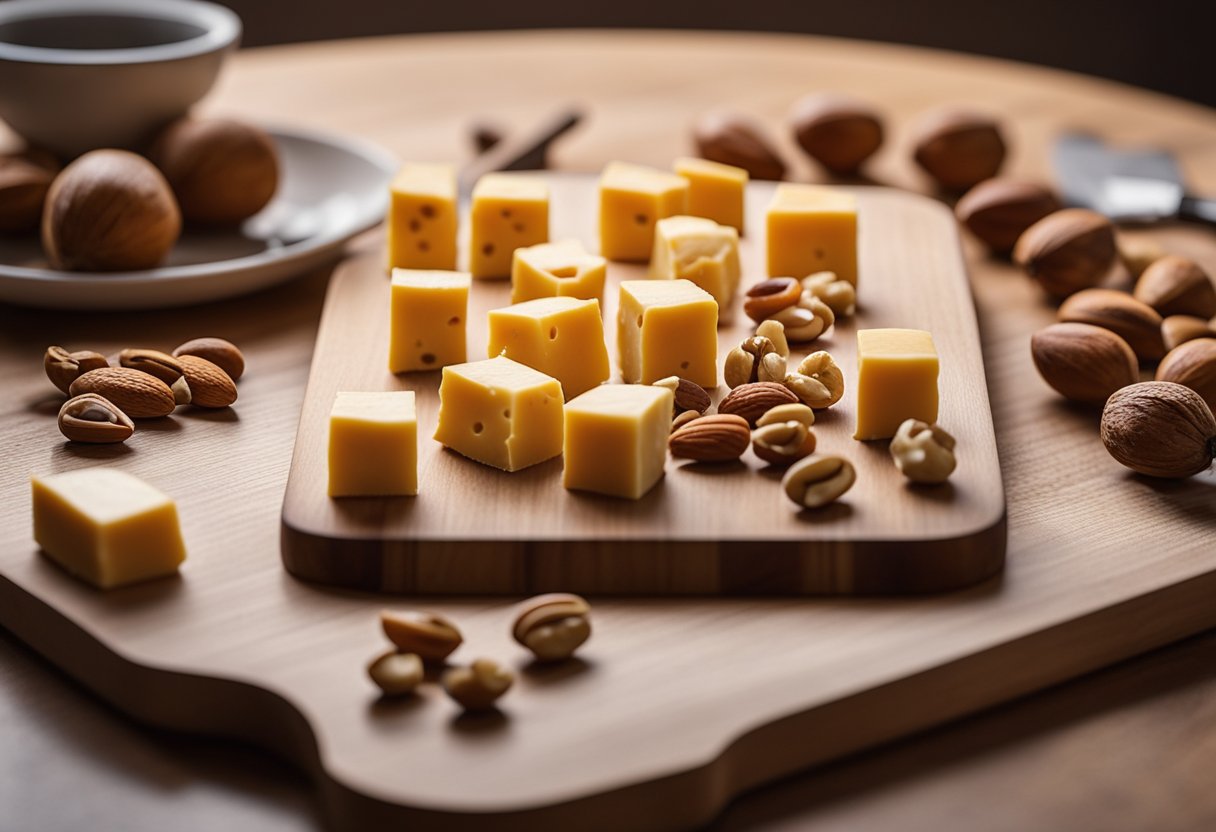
[837, 131]
[1159, 429]
[1083, 362]
[63, 367]
[958, 148]
[998, 210]
[1176, 285]
[94, 420]
[1192, 365]
[221, 353]
[1136, 323]
[1067, 251]
[209, 385]
[137, 394]
[734, 139]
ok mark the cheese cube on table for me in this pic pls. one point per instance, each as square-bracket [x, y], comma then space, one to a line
[667, 328]
[702, 251]
[428, 313]
[373, 445]
[896, 380]
[106, 526]
[812, 229]
[560, 337]
[715, 190]
[422, 218]
[562, 269]
[616, 439]
[509, 211]
[632, 199]
[501, 413]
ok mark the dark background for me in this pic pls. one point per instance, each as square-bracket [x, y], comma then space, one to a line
[1166, 45]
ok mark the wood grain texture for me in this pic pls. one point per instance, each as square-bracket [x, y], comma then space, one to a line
[678, 705]
[704, 529]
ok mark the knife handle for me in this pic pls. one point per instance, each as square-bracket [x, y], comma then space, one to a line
[1198, 210]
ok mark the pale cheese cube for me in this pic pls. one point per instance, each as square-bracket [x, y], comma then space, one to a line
[509, 211]
[423, 217]
[715, 190]
[373, 444]
[702, 251]
[428, 316]
[632, 199]
[667, 328]
[616, 439]
[896, 380]
[560, 337]
[561, 269]
[812, 229]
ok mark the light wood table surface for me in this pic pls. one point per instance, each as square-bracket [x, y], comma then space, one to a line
[1126, 748]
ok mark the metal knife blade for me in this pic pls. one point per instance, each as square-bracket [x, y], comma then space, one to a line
[1126, 185]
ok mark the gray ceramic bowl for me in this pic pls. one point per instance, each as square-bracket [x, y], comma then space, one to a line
[76, 75]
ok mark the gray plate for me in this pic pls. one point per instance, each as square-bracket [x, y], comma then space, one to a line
[330, 189]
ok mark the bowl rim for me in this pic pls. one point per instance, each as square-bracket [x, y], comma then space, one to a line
[221, 30]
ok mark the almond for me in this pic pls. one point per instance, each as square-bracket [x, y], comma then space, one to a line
[997, 211]
[1136, 323]
[751, 401]
[1178, 329]
[687, 395]
[837, 131]
[1192, 365]
[1067, 251]
[719, 438]
[137, 394]
[1082, 362]
[1176, 285]
[209, 385]
[734, 139]
[221, 353]
[153, 362]
[958, 148]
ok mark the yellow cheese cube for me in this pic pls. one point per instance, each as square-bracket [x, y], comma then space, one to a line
[106, 526]
[562, 269]
[422, 218]
[812, 229]
[702, 251]
[428, 313]
[616, 439]
[896, 380]
[509, 211]
[373, 445]
[715, 190]
[561, 337]
[667, 328]
[500, 412]
[632, 199]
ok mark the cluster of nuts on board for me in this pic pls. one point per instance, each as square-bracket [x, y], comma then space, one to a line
[551, 626]
[113, 210]
[106, 395]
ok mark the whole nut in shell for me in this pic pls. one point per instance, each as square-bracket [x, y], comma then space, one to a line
[553, 626]
[922, 452]
[817, 481]
[395, 673]
[837, 131]
[1135, 322]
[686, 394]
[109, 210]
[25, 179]
[137, 394]
[1160, 429]
[478, 686]
[63, 367]
[209, 385]
[717, 438]
[1177, 286]
[430, 635]
[221, 353]
[839, 295]
[751, 401]
[734, 139]
[1067, 251]
[94, 420]
[818, 382]
[768, 297]
[1192, 365]
[1178, 329]
[222, 171]
[998, 210]
[958, 148]
[783, 443]
[1083, 362]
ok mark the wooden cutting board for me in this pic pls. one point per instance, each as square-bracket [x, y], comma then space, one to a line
[708, 529]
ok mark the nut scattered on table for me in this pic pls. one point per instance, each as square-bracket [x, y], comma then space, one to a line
[137, 394]
[839, 295]
[775, 332]
[1160, 429]
[25, 178]
[1083, 362]
[768, 297]
[682, 419]
[796, 412]
[716, 438]
[63, 367]
[1067, 251]
[818, 382]
[1192, 365]
[837, 131]
[755, 359]
[751, 401]
[210, 386]
[998, 210]
[396, 673]
[687, 395]
[817, 481]
[221, 353]
[735, 139]
[1175, 285]
[431, 636]
[553, 626]
[806, 321]
[958, 148]
[1136, 323]
[922, 452]
[1178, 329]
[161, 365]
[783, 443]
[95, 420]
[1138, 253]
[479, 686]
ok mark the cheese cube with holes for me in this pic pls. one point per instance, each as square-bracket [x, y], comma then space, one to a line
[428, 313]
[702, 251]
[896, 380]
[106, 527]
[373, 445]
[501, 413]
[422, 218]
[812, 229]
[562, 269]
[561, 337]
[667, 328]
[509, 211]
[616, 439]
[715, 190]
[632, 199]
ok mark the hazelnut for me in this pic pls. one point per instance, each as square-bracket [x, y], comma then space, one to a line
[958, 148]
[109, 210]
[1067, 251]
[734, 139]
[1192, 365]
[837, 131]
[997, 211]
[222, 171]
[1160, 429]
[25, 179]
[1083, 362]
[1136, 323]
[1176, 285]
[1178, 329]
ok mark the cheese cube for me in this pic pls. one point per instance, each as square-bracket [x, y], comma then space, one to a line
[427, 312]
[562, 269]
[106, 526]
[373, 445]
[422, 218]
[632, 199]
[715, 190]
[896, 380]
[616, 439]
[501, 413]
[509, 211]
[667, 328]
[560, 337]
[702, 251]
[812, 229]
